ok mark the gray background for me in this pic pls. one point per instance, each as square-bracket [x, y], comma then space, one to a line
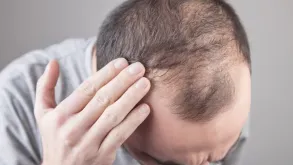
[31, 24]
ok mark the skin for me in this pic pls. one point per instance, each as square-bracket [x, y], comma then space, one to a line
[107, 111]
[96, 119]
[164, 136]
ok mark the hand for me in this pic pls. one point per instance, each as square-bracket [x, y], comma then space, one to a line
[95, 120]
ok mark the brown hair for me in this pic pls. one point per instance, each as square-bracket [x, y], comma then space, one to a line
[194, 41]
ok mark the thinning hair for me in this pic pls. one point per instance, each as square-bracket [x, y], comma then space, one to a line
[196, 42]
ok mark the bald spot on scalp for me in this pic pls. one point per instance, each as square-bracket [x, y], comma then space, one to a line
[187, 46]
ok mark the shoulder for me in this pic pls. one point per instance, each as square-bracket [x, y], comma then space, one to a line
[18, 80]
[29, 67]
[17, 96]
[41, 57]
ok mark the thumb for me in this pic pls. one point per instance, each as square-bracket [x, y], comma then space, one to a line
[45, 94]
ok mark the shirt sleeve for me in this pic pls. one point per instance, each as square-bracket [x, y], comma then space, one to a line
[18, 143]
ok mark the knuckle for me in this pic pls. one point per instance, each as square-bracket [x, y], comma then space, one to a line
[59, 118]
[109, 117]
[66, 138]
[87, 88]
[102, 100]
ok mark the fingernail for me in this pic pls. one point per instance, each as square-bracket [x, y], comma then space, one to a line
[135, 68]
[142, 83]
[144, 109]
[120, 63]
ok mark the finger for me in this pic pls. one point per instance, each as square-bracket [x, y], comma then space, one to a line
[110, 118]
[107, 95]
[45, 92]
[111, 92]
[84, 93]
[122, 132]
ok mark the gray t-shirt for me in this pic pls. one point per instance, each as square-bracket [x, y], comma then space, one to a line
[19, 137]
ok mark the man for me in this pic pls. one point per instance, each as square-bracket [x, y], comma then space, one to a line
[166, 82]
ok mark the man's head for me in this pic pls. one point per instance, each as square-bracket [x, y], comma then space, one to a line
[197, 57]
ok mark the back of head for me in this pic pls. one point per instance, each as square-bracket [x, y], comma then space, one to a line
[193, 42]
